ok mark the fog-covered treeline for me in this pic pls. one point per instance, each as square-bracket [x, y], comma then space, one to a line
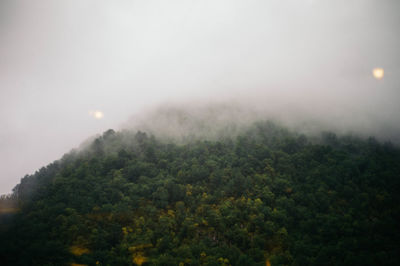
[265, 195]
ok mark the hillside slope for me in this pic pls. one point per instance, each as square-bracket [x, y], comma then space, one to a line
[268, 195]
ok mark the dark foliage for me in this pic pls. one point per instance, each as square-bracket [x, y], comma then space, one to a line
[267, 196]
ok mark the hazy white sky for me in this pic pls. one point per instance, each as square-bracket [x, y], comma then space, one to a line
[59, 60]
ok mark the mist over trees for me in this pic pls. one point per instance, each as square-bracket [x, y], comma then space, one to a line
[276, 140]
[71, 69]
[259, 194]
[213, 119]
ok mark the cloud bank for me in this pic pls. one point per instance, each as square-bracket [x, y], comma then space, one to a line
[299, 60]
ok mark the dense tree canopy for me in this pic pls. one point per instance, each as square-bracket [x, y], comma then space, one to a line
[266, 197]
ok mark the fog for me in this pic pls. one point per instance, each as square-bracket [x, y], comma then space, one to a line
[72, 69]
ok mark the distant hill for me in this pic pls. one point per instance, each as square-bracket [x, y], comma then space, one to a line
[265, 195]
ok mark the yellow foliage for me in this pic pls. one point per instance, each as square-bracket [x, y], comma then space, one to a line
[78, 250]
[171, 213]
[139, 247]
[126, 230]
[77, 264]
[223, 261]
[258, 201]
[189, 190]
[138, 258]
[249, 202]
[267, 263]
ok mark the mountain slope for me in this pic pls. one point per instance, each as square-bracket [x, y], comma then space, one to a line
[268, 195]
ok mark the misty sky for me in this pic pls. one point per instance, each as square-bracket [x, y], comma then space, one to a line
[60, 61]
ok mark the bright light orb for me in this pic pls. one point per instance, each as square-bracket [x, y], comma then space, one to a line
[96, 114]
[378, 73]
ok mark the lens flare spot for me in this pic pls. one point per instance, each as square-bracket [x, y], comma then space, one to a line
[378, 73]
[96, 114]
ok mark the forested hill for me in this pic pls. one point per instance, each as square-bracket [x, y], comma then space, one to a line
[268, 196]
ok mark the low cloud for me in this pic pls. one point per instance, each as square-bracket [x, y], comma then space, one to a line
[306, 63]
